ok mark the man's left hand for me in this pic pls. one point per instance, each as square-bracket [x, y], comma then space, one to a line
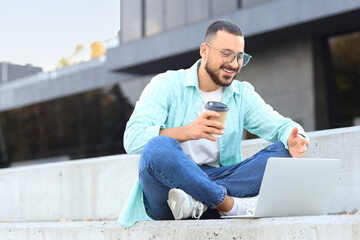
[297, 144]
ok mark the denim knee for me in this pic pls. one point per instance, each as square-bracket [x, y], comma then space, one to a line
[157, 150]
[278, 149]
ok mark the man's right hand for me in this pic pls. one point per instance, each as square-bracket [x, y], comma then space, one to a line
[201, 127]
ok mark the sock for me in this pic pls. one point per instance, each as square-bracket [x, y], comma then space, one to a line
[238, 208]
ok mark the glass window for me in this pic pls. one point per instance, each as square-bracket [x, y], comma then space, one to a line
[89, 124]
[49, 129]
[70, 118]
[11, 134]
[345, 56]
[30, 126]
[131, 20]
[116, 111]
[91, 110]
[154, 13]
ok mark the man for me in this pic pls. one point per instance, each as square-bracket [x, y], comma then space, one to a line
[184, 170]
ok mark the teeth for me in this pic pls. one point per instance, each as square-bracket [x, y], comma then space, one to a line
[226, 70]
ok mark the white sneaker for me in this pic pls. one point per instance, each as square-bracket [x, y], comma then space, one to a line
[183, 206]
[246, 206]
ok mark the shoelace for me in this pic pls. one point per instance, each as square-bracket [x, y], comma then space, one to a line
[250, 207]
[198, 210]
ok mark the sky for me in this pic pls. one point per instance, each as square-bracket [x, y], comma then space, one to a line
[41, 32]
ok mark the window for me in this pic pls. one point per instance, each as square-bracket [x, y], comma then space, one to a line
[345, 83]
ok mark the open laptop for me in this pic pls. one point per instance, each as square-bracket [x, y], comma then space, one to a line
[296, 187]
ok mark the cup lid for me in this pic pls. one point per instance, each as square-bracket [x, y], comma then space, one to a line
[216, 106]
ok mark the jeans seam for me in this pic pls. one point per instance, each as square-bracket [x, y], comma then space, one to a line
[167, 182]
[142, 169]
[223, 195]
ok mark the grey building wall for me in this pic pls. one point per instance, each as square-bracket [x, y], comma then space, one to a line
[288, 69]
[10, 71]
[281, 70]
[61, 83]
[282, 73]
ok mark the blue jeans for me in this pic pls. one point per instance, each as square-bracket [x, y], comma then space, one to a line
[164, 165]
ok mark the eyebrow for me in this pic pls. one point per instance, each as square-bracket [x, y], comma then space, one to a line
[232, 51]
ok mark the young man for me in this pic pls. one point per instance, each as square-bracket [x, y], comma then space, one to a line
[184, 170]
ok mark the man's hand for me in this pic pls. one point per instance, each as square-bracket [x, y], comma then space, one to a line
[297, 144]
[201, 127]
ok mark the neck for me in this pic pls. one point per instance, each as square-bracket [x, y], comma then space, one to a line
[206, 84]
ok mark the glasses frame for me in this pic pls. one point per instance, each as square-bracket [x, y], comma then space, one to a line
[237, 55]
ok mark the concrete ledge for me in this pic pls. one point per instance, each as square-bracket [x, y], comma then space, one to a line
[98, 188]
[94, 188]
[315, 227]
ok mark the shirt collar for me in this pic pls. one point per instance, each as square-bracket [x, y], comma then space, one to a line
[191, 76]
[192, 80]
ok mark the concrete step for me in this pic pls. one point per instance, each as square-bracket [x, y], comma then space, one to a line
[97, 188]
[94, 188]
[34, 199]
[311, 227]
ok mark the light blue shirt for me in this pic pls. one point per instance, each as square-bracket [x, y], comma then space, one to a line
[173, 99]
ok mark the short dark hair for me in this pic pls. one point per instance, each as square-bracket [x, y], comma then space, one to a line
[225, 25]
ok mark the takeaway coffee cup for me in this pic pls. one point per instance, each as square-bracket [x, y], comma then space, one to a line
[219, 107]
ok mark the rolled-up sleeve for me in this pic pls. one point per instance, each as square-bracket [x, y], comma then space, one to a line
[262, 120]
[149, 116]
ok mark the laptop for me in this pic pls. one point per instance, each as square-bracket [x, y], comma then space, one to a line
[296, 187]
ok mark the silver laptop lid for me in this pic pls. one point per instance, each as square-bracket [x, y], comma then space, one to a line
[297, 187]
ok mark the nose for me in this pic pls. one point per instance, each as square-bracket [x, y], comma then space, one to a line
[234, 64]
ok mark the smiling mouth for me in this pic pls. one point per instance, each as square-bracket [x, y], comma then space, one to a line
[228, 71]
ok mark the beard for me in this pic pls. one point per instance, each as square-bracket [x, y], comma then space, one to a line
[215, 75]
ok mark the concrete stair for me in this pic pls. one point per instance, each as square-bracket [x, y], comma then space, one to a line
[314, 227]
[35, 198]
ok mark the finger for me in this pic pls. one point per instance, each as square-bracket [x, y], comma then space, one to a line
[210, 137]
[306, 142]
[208, 114]
[299, 154]
[215, 124]
[294, 132]
[212, 130]
[304, 149]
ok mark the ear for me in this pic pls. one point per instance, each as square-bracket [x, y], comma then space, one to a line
[203, 51]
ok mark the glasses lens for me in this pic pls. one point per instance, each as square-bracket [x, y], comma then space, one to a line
[244, 59]
[227, 56]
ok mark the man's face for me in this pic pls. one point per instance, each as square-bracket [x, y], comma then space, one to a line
[221, 73]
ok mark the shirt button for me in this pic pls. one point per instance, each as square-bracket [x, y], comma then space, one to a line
[199, 104]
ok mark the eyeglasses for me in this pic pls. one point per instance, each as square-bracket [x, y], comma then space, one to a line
[228, 56]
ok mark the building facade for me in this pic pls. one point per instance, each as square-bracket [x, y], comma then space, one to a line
[306, 57]
[9, 71]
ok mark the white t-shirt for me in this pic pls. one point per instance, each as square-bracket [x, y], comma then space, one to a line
[203, 151]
